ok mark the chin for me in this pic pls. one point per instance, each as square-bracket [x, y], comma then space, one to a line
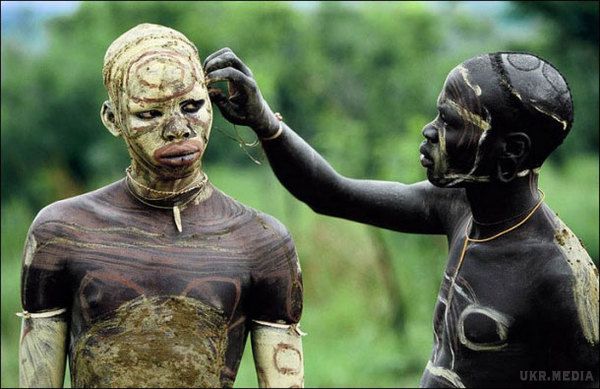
[177, 173]
[436, 179]
[443, 182]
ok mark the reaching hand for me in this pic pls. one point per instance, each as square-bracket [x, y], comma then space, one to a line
[244, 104]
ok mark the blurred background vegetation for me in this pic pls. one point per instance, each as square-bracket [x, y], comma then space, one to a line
[358, 81]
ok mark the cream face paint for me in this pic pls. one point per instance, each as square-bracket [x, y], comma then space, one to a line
[165, 103]
[160, 102]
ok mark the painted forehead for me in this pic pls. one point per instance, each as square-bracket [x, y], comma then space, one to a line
[160, 75]
[461, 95]
[125, 59]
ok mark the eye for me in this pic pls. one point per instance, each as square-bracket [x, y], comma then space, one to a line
[443, 114]
[147, 115]
[442, 118]
[191, 106]
[448, 120]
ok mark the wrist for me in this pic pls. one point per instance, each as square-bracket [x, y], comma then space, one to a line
[273, 129]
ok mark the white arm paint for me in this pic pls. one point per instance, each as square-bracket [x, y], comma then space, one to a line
[278, 359]
[42, 351]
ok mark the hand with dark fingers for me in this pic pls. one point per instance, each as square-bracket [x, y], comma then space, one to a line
[243, 104]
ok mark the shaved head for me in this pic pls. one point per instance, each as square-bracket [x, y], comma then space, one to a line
[152, 61]
[520, 92]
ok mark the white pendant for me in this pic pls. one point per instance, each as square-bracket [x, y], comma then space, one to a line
[177, 217]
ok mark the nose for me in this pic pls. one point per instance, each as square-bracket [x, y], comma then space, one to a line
[176, 129]
[430, 133]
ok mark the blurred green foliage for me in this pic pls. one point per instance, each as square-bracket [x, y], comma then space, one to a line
[358, 81]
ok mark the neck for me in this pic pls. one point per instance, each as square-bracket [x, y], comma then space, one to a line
[497, 206]
[150, 185]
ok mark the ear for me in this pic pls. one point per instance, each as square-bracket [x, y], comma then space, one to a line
[108, 118]
[514, 151]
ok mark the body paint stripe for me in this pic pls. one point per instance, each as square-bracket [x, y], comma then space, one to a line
[464, 72]
[469, 116]
[447, 374]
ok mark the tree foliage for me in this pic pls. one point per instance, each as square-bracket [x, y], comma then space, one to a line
[348, 77]
[359, 81]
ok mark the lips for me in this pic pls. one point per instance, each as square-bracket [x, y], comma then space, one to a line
[426, 162]
[179, 154]
[425, 159]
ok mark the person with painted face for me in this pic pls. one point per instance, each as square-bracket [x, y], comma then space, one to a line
[518, 304]
[157, 279]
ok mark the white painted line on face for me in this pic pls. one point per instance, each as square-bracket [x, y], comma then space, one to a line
[464, 72]
[469, 116]
[447, 374]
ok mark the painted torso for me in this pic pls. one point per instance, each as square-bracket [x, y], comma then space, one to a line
[494, 322]
[150, 306]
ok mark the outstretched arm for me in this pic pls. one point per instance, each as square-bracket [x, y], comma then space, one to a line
[392, 205]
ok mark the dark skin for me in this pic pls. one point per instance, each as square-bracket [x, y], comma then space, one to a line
[524, 301]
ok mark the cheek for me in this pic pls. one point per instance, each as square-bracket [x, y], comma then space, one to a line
[137, 128]
[462, 147]
[145, 143]
[202, 121]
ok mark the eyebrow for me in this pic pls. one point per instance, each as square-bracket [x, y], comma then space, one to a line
[137, 105]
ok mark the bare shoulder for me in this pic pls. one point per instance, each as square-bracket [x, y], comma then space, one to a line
[262, 223]
[569, 256]
[272, 226]
[568, 278]
[88, 207]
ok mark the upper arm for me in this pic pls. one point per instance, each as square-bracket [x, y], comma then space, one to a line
[569, 305]
[44, 335]
[415, 208]
[277, 293]
[43, 267]
[276, 308]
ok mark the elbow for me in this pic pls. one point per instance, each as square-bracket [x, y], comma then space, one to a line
[318, 208]
[324, 202]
